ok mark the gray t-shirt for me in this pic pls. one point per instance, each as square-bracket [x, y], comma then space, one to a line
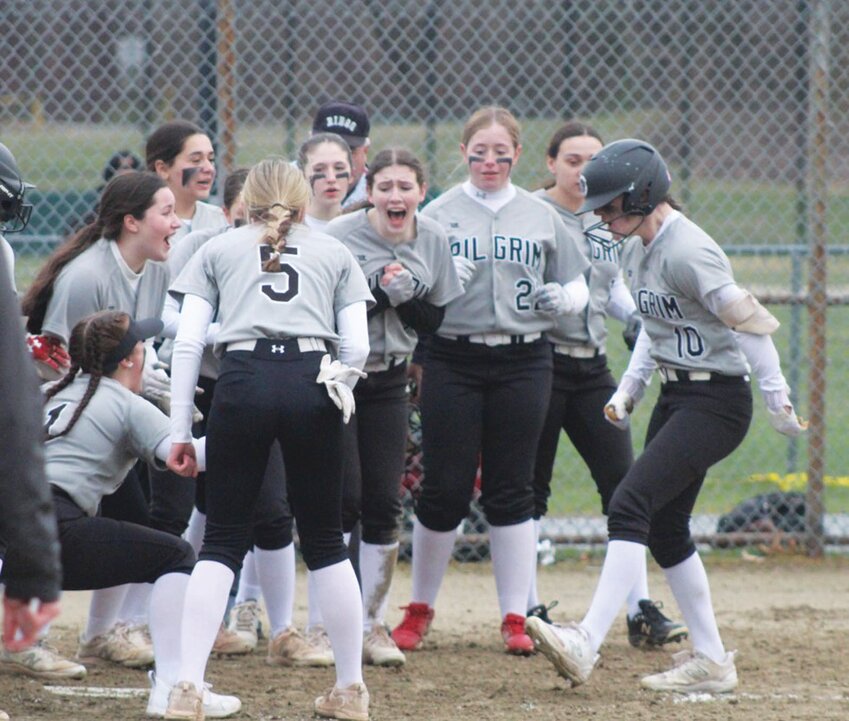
[515, 250]
[95, 281]
[318, 277]
[116, 428]
[589, 327]
[206, 216]
[669, 280]
[427, 257]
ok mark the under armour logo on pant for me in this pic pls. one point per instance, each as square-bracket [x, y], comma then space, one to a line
[278, 349]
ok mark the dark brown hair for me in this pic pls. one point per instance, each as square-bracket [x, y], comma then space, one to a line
[395, 156]
[233, 186]
[92, 340]
[167, 142]
[570, 129]
[128, 194]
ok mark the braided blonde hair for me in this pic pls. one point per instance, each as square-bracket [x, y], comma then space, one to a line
[276, 194]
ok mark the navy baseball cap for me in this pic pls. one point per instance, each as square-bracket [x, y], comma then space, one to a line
[137, 330]
[346, 119]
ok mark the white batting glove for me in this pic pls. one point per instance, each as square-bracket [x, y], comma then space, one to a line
[155, 381]
[339, 380]
[163, 402]
[465, 269]
[552, 299]
[401, 288]
[618, 410]
[781, 415]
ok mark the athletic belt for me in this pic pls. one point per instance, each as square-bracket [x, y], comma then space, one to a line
[675, 375]
[493, 339]
[579, 351]
[304, 344]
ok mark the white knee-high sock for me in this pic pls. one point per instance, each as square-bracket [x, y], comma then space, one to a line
[431, 554]
[689, 584]
[513, 556]
[206, 599]
[618, 574]
[313, 607]
[276, 571]
[194, 531]
[135, 609]
[103, 610]
[377, 566]
[249, 583]
[338, 595]
[533, 593]
[167, 594]
[639, 590]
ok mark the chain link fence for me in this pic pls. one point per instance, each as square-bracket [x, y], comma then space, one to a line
[746, 100]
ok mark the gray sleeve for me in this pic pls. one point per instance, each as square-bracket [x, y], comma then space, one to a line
[700, 270]
[568, 261]
[27, 523]
[196, 278]
[147, 427]
[75, 295]
[446, 286]
[352, 286]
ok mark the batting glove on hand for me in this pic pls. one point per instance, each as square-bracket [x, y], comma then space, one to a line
[400, 288]
[51, 359]
[339, 379]
[553, 299]
[618, 410]
[155, 382]
[632, 329]
[781, 415]
[465, 269]
[163, 401]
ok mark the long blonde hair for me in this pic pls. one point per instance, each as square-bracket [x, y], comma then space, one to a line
[275, 194]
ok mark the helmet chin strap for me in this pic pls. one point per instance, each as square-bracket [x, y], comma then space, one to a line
[610, 244]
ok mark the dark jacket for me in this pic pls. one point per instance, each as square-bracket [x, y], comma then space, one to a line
[31, 568]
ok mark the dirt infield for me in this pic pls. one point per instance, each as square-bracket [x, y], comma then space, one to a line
[787, 616]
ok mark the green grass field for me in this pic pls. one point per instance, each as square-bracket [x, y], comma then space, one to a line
[71, 158]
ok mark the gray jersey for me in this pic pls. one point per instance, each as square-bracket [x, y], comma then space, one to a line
[95, 281]
[427, 257]
[515, 250]
[318, 277]
[669, 280]
[177, 259]
[116, 428]
[589, 327]
[206, 216]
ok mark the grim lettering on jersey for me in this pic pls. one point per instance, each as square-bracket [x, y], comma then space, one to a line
[510, 249]
[659, 305]
[420, 289]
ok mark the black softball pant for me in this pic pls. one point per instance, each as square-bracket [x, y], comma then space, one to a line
[375, 454]
[481, 402]
[258, 400]
[693, 426]
[101, 552]
[579, 392]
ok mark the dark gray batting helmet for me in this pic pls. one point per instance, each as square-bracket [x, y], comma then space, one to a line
[630, 168]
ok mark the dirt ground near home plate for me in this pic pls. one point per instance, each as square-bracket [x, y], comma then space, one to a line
[787, 616]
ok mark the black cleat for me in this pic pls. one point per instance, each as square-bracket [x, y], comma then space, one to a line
[651, 628]
[540, 611]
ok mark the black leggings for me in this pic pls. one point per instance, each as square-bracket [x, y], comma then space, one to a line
[487, 403]
[101, 552]
[375, 453]
[258, 400]
[581, 388]
[693, 426]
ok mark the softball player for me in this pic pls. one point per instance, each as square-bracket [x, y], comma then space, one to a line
[97, 427]
[408, 264]
[114, 263]
[181, 154]
[703, 333]
[282, 291]
[582, 380]
[487, 372]
[14, 213]
[325, 160]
